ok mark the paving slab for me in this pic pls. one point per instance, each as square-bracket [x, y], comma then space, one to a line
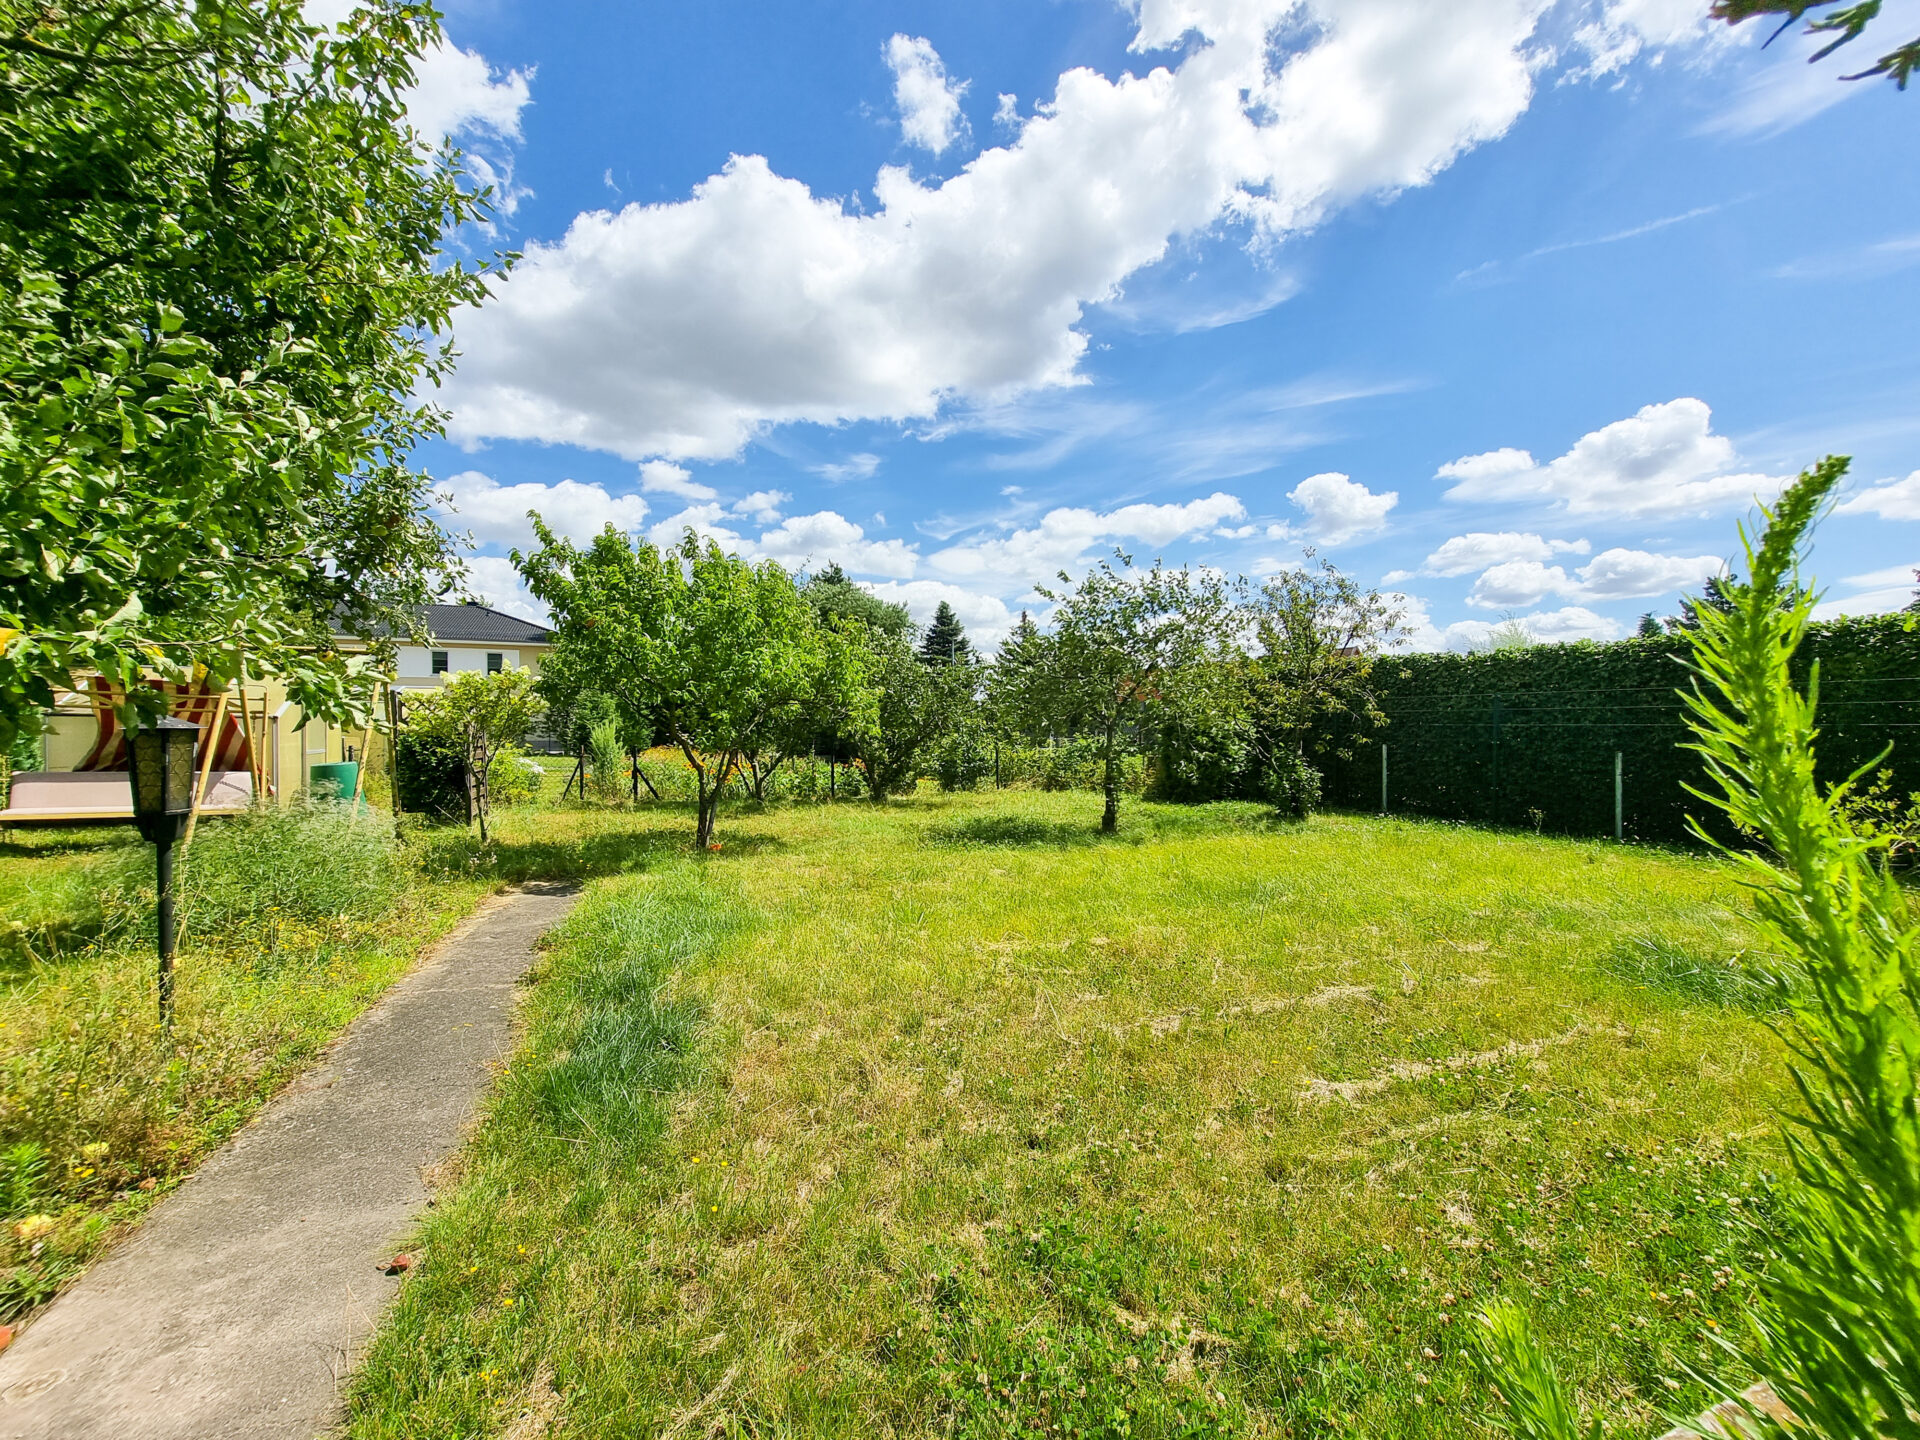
[242, 1303]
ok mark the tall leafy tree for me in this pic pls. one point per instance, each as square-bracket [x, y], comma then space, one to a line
[915, 706]
[836, 598]
[945, 642]
[220, 278]
[1006, 687]
[1317, 635]
[719, 653]
[1123, 641]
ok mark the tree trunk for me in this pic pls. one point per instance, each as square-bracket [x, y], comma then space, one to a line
[1110, 817]
[703, 825]
[477, 772]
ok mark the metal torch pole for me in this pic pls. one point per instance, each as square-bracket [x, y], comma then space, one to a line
[163, 865]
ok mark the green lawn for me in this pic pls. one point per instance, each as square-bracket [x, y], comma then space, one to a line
[950, 1117]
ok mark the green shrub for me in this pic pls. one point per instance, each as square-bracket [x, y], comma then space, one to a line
[433, 777]
[963, 759]
[1067, 765]
[606, 760]
[513, 777]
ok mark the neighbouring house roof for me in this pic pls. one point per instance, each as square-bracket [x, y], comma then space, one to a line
[474, 623]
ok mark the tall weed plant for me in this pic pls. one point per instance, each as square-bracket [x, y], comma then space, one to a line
[1835, 1332]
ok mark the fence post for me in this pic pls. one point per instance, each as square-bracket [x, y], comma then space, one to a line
[1619, 794]
[1383, 777]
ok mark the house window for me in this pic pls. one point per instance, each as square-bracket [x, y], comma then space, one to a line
[439, 662]
[494, 661]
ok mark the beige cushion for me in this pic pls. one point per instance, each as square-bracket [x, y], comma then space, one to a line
[107, 792]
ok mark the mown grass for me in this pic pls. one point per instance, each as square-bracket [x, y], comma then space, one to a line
[950, 1117]
[292, 923]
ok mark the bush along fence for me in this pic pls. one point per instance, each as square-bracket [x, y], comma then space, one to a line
[1535, 737]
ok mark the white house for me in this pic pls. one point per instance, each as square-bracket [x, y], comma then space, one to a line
[470, 637]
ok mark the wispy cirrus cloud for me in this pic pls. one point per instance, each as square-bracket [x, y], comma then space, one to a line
[1494, 271]
[1859, 262]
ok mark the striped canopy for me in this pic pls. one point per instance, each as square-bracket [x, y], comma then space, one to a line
[196, 702]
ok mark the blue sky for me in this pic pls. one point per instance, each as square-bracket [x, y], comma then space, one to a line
[1509, 307]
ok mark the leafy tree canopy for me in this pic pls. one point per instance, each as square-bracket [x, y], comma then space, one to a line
[220, 275]
[721, 653]
[1318, 636]
[834, 597]
[474, 714]
[916, 705]
[1123, 640]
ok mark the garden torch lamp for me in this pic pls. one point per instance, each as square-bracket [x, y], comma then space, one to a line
[161, 770]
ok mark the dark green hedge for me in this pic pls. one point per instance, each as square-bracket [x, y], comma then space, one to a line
[433, 778]
[1528, 737]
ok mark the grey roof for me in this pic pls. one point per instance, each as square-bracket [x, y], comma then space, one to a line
[476, 622]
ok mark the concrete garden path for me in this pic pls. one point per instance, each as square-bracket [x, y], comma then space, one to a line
[242, 1303]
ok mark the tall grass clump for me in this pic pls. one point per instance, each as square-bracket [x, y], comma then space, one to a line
[1835, 1329]
[1658, 963]
[314, 864]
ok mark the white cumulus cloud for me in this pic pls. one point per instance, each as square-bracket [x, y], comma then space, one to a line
[929, 101]
[811, 541]
[986, 617]
[663, 477]
[496, 514]
[1625, 29]
[492, 580]
[1340, 509]
[1463, 554]
[762, 505]
[1572, 622]
[684, 329]
[1890, 500]
[1617, 574]
[1662, 460]
[456, 92]
[800, 542]
[1878, 592]
[1065, 536]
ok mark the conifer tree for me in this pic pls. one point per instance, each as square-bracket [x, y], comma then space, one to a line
[946, 638]
[1022, 647]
